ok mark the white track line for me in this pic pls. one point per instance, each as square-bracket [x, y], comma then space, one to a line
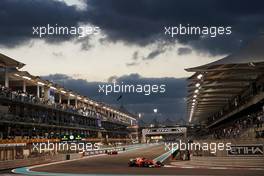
[213, 167]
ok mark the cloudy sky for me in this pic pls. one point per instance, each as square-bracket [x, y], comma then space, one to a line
[131, 46]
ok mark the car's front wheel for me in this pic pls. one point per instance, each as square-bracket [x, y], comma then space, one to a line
[159, 163]
[131, 164]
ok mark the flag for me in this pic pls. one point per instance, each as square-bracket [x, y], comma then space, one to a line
[120, 96]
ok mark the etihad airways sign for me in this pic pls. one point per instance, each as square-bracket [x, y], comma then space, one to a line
[246, 150]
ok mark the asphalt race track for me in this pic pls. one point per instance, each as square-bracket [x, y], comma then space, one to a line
[117, 165]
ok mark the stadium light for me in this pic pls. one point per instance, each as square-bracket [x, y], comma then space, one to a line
[190, 119]
[194, 96]
[41, 83]
[197, 85]
[26, 77]
[251, 64]
[194, 100]
[200, 76]
[155, 110]
[54, 88]
[196, 91]
[191, 115]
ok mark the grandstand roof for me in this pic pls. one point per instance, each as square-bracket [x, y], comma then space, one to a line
[253, 52]
[213, 85]
[6, 61]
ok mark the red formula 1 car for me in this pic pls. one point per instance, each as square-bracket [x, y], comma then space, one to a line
[143, 162]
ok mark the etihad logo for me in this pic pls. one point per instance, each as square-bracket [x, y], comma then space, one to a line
[246, 150]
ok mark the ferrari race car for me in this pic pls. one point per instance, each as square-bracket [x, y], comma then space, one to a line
[143, 162]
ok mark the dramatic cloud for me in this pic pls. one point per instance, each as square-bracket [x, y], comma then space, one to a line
[136, 22]
[18, 17]
[142, 22]
[132, 64]
[57, 54]
[135, 55]
[154, 54]
[184, 51]
[166, 103]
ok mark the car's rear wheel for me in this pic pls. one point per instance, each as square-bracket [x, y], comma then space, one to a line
[159, 163]
[131, 164]
[145, 164]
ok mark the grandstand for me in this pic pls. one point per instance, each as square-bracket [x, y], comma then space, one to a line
[36, 110]
[227, 97]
